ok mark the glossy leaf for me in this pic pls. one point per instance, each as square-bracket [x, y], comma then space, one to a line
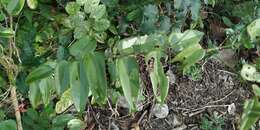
[14, 7]
[65, 102]
[35, 94]
[158, 78]
[46, 86]
[79, 91]
[32, 4]
[128, 73]
[94, 68]
[39, 73]
[82, 46]
[62, 76]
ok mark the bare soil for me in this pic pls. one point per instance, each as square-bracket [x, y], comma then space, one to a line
[188, 101]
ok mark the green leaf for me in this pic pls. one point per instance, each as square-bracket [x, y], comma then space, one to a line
[46, 87]
[62, 120]
[72, 8]
[75, 124]
[8, 125]
[98, 12]
[32, 4]
[256, 90]
[195, 9]
[90, 5]
[79, 91]
[39, 73]
[6, 32]
[35, 94]
[250, 115]
[253, 30]
[190, 55]
[81, 47]
[101, 25]
[65, 102]
[94, 67]
[62, 76]
[14, 7]
[160, 82]
[185, 39]
[128, 73]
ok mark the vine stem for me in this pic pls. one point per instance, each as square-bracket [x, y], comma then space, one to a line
[12, 84]
[16, 108]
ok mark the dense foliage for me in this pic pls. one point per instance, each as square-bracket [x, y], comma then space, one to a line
[58, 54]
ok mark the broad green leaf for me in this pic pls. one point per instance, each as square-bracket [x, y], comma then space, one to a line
[253, 30]
[75, 124]
[185, 39]
[35, 94]
[190, 55]
[39, 73]
[6, 32]
[82, 46]
[94, 67]
[256, 90]
[14, 7]
[130, 42]
[72, 8]
[61, 76]
[46, 86]
[251, 114]
[79, 91]
[160, 82]
[195, 9]
[165, 24]
[98, 12]
[128, 73]
[90, 5]
[65, 102]
[101, 25]
[32, 4]
[62, 120]
[8, 125]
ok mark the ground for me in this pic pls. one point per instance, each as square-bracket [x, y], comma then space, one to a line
[220, 92]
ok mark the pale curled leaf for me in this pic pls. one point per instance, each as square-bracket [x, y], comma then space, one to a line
[160, 82]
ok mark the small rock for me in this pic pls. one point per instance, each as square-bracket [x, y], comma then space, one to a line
[232, 109]
[182, 127]
[122, 102]
[171, 77]
[161, 110]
